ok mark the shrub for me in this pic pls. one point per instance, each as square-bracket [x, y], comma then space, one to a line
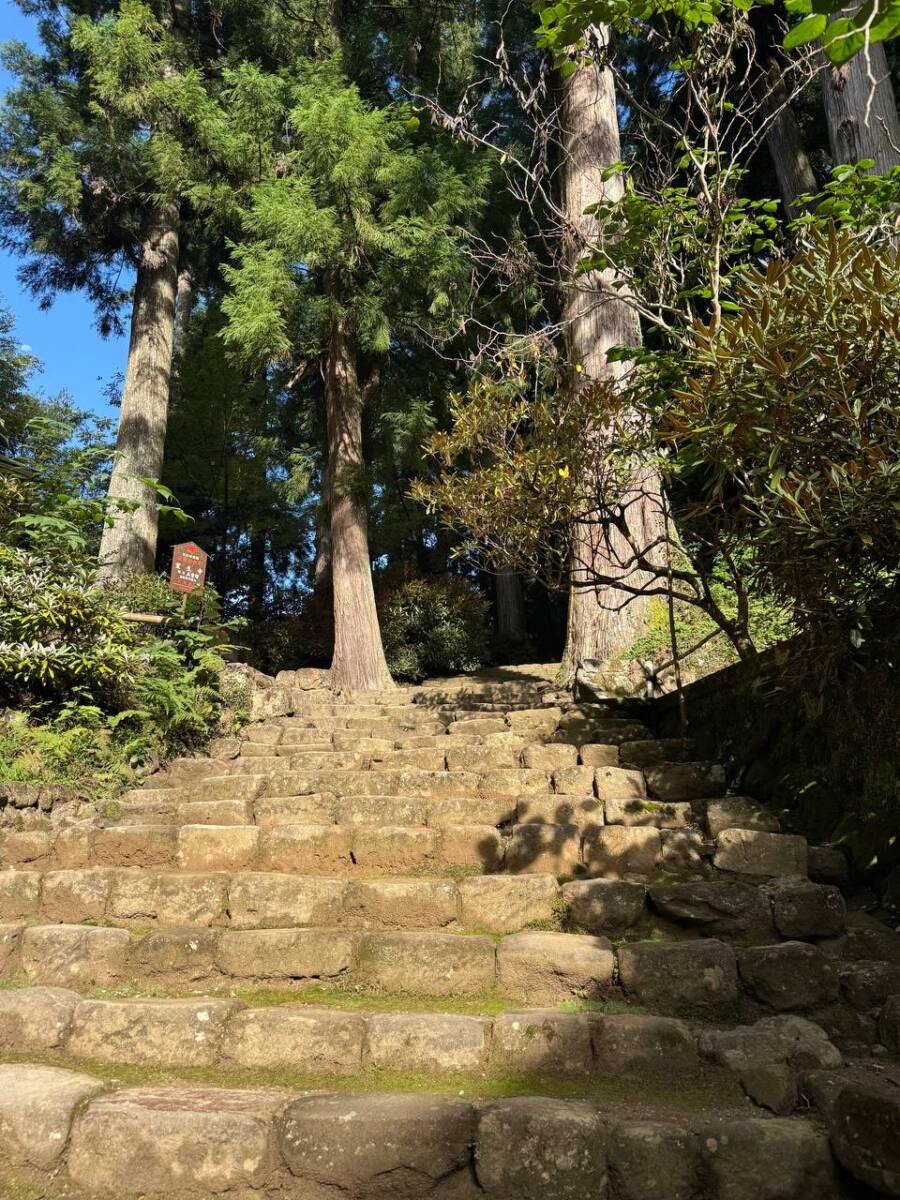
[428, 626]
[433, 626]
[58, 631]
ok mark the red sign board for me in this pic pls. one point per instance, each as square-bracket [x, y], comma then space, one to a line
[188, 567]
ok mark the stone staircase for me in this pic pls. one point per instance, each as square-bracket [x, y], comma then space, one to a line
[456, 941]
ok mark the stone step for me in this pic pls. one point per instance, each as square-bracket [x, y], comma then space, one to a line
[195, 1140]
[371, 726]
[225, 1032]
[302, 846]
[210, 879]
[248, 898]
[703, 977]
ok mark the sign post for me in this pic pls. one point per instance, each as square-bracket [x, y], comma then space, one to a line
[188, 568]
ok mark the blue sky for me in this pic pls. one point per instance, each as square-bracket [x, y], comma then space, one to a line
[65, 338]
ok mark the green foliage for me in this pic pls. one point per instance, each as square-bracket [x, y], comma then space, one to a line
[429, 626]
[789, 426]
[433, 627]
[58, 631]
[354, 196]
[76, 751]
[563, 22]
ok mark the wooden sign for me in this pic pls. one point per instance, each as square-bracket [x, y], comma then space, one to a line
[188, 568]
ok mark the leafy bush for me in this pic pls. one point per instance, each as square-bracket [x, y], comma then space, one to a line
[58, 631]
[433, 626]
[789, 429]
[428, 626]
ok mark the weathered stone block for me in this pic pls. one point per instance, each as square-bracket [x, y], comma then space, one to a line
[173, 956]
[298, 1037]
[399, 904]
[470, 845]
[513, 783]
[767, 1160]
[379, 1144]
[717, 906]
[583, 811]
[505, 904]
[616, 850]
[643, 1045]
[393, 847]
[482, 758]
[679, 976]
[828, 864]
[598, 754]
[135, 846]
[169, 899]
[175, 1139]
[804, 910]
[37, 1105]
[27, 846]
[35, 1020]
[865, 1132]
[382, 810]
[533, 1147]
[159, 1033]
[543, 1041]
[617, 783]
[739, 812]
[889, 1024]
[685, 781]
[551, 757]
[76, 896]
[749, 852]
[10, 940]
[307, 849]
[317, 808]
[544, 849]
[650, 1160]
[284, 953]
[20, 895]
[427, 1041]
[868, 985]
[792, 975]
[605, 906]
[430, 964]
[217, 847]
[647, 812]
[654, 752]
[574, 781]
[682, 851]
[545, 967]
[271, 901]
[468, 810]
[74, 956]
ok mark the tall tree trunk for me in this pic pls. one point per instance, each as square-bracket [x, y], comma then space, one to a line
[184, 304]
[510, 606]
[256, 582]
[322, 564]
[358, 663]
[862, 115]
[785, 143]
[128, 543]
[602, 621]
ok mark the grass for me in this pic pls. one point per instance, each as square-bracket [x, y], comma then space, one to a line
[485, 1004]
[705, 1091]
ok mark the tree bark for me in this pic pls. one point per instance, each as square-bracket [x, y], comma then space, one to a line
[184, 304]
[128, 543]
[862, 116]
[786, 149]
[510, 606]
[322, 564]
[602, 621]
[358, 663]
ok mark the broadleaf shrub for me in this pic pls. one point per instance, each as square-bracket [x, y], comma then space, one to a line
[433, 626]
